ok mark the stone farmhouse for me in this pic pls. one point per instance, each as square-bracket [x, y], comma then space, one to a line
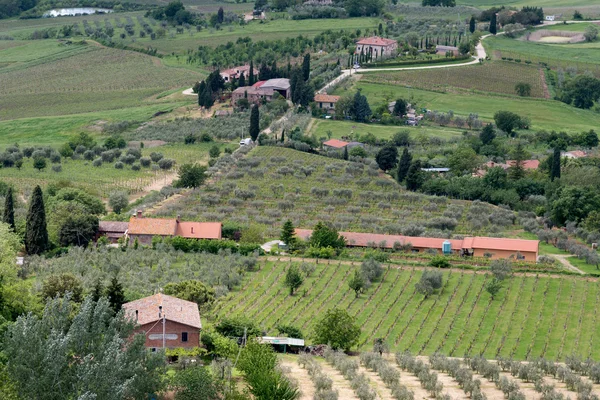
[381, 47]
[263, 91]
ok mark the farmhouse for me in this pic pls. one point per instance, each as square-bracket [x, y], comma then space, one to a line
[144, 229]
[380, 47]
[235, 73]
[112, 230]
[526, 164]
[444, 50]
[335, 144]
[178, 319]
[326, 102]
[262, 91]
[574, 154]
[494, 248]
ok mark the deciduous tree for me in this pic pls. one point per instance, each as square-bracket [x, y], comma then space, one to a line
[337, 329]
[191, 176]
[387, 157]
[293, 278]
[357, 283]
[118, 201]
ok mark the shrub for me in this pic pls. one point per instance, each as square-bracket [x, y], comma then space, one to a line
[439, 262]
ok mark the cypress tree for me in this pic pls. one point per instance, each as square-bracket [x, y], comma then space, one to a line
[306, 66]
[404, 165]
[201, 89]
[254, 123]
[9, 209]
[493, 24]
[472, 25]
[555, 164]
[36, 233]
[282, 135]
[346, 153]
[251, 80]
[414, 178]
[242, 81]
[274, 72]
[115, 294]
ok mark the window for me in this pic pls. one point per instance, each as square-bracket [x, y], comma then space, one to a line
[184, 336]
[331, 105]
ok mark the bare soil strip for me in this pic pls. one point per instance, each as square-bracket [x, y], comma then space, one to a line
[339, 382]
[300, 375]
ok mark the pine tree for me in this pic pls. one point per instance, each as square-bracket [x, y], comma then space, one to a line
[555, 164]
[242, 81]
[306, 66]
[403, 165]
[254, 123]
[288, 233]
[472, 25]
[493, 24]
[9, 209]
[115, 294]
[98, 290]
[36, 233]
[251, 80]
[414, 177]
[517, 171]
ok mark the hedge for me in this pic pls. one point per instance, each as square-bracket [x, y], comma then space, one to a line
[188, 245]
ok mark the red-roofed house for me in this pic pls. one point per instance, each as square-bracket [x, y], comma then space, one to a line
[181, 321]
[335, 144]
[113, 230]
[381, 47]
[236, 72]
[144, 229]
[574, 154]
[472, 246]
[325, 101]
[527, 164]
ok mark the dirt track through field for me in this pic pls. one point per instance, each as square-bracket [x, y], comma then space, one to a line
[339, 382]
[383, 392]
[300, 375]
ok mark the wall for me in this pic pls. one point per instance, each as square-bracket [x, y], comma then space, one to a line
[142, 239]
[498, 254]
[173, 328]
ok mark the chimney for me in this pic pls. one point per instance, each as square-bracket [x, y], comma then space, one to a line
[138, 213]
[192, 229]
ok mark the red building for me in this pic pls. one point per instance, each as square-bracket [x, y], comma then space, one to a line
[181, 321]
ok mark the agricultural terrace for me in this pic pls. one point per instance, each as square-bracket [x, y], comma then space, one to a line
[532, 316]
[106, 178]
[273, 184]
[92, 79]
[572, 55]
[497, 77]
[544, 114]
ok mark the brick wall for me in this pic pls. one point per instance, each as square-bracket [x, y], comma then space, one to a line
[173, 332]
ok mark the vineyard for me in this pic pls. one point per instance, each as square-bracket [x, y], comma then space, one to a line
[274, 184]
[498, 77]
[533, 316]
[99, 79]
[402, 376]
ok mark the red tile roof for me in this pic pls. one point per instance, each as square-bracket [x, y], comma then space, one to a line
[527, 164]
[152, 226]
[199, 230]
[363, 239]
[176, 310]
[259, 84]
[376, 41]
[575, 154]
[338, 144]
[326, 98]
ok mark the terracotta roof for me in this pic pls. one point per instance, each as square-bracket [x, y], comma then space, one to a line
[338, 144]
[112, 226]
[199, 230]
[176, 310]
[259, 84]
[575, 154]
[152, 226]
[376, 41]
[326, 98]
[236, 70]
[363, 239]
[527, 164]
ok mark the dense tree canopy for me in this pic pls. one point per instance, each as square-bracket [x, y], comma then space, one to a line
[337, 329]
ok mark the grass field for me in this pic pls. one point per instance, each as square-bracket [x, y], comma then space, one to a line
[544, 114]
[92, 79]
[498, 77]
[533, 316]
[575, 55]
[339, 129]
[274, 184]
[584, 266]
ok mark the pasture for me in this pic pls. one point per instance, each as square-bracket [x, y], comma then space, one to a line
[497, 77]
[273, 184]
[544, 114]
[532, 316]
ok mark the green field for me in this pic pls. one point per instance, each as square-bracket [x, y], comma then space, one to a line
[531, 317]
[521, 3]
[584, 266]
[340, 129]
[544, 114]
[498, 77]
[555, 55]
